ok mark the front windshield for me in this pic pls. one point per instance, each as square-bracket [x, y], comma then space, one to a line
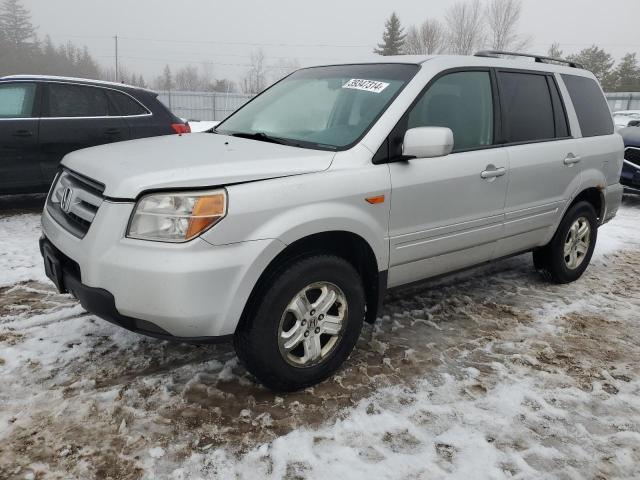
[322, 107]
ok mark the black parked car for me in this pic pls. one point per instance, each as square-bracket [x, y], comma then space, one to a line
[630, 177]
[44, 118]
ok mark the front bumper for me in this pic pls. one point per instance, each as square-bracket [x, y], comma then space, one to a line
[192, 291]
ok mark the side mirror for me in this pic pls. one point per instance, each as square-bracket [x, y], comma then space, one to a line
[427, 142]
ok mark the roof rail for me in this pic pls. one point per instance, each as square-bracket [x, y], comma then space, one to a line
[538, 58]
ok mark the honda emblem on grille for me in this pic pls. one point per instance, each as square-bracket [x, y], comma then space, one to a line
[67, 196]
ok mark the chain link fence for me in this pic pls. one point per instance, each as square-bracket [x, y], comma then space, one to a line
[203, 105]
[623, 101]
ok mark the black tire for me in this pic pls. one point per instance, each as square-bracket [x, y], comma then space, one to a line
[256, 338]
[550, 260]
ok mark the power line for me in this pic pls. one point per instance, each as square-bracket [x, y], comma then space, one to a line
[215, 42]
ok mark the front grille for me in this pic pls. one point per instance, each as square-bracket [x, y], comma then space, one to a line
[632, 154]
[74, 201]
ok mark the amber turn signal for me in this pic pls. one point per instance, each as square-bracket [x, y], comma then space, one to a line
[206, 212]
[376, 199]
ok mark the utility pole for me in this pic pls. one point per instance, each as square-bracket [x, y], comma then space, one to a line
[116, 39]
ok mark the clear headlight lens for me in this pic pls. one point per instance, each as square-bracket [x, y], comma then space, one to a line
[177, 217]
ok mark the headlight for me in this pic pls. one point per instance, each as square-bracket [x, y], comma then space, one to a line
[176, 217]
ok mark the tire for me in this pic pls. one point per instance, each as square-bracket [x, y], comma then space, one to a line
[264, 338]
[551, 260]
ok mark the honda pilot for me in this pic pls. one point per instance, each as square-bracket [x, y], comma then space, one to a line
[282, 228]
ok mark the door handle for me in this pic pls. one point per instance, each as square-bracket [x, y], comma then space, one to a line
[491, 172]
[571, 159]
[23, 133]
[112, 131]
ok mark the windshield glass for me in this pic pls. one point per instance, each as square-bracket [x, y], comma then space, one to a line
[322, 107]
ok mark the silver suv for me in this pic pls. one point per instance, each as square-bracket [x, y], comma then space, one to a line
[284, 227]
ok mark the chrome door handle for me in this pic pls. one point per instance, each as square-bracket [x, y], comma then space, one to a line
[492, 172]
[571, 159]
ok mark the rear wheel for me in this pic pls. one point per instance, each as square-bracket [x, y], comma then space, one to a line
[305, 325]
[568, 254]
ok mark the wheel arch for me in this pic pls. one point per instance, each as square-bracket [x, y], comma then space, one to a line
[348, 245]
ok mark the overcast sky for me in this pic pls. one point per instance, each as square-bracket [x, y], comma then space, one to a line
[223, 33]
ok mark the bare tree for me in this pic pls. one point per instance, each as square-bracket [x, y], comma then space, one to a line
[255, 79]
[502, 18]
[283, 68]
[555, 51]
[465, 28]
[188, 79]
[427, 39]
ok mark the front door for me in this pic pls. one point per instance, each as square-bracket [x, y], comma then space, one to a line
[19, 167]
[447, 212]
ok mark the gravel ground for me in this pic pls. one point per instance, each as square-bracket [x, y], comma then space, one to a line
[489, 374]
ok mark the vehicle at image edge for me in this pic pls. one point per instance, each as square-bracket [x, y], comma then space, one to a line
[43, 118]
[630, 177]
[283, 228]
[623, 118]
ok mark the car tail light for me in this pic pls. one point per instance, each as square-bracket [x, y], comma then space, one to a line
[181, 127]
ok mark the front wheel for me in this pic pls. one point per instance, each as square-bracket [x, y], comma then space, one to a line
[305, 325]
[568, 254]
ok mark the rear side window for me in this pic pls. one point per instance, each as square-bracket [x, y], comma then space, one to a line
[17, 99]
[593, 112]
[67, 100]
[461, 101]
[125, 105]
[527, 109]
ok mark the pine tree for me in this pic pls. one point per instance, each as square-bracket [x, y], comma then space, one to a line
[165, 81]
[16, 26]
[599, 62]
[627, 74]
[392, 38]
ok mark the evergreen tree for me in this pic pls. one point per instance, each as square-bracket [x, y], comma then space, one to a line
[392, 38]
[599, 62]
[165, 81]
[627, 74]
[16, 27]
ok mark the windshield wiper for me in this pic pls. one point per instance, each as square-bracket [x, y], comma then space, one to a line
[260, 136]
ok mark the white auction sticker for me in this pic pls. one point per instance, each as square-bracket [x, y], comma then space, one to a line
[367, 85]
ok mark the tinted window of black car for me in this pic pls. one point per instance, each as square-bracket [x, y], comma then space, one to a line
[66, 100]
[125, 105]
[526, 106]
[591, 107]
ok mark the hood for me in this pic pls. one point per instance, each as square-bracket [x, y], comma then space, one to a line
[191, 160]
[631, 136]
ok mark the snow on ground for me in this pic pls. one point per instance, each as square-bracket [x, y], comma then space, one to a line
[491, 374]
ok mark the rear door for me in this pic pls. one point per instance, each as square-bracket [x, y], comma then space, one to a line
[76, 116]
[544, 159]
[19, 122]
[447, 212]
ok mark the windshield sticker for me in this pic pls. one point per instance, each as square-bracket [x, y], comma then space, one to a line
[366, 85]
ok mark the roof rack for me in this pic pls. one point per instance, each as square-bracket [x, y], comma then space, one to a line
[538, 58]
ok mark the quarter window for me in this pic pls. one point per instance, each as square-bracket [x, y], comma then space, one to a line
[461, 101]
[125, 105]
[527, 109]
[591, 107]
[67, 100]
[17, 99]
